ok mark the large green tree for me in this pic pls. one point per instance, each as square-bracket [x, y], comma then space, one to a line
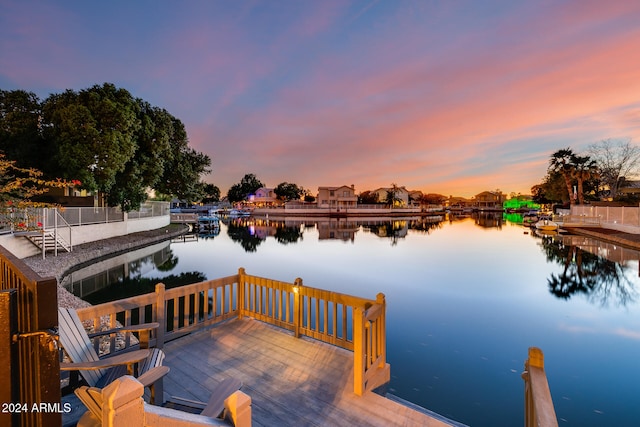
[247, 185]
[20, 130]
[93, 133]
[145, 168]
[106, 139]
[552, 189]
[211, 194]
[368, 198]
[183, 168]
[288, 191]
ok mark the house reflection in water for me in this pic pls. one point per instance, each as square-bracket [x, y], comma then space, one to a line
[337, 228]
[488, 219]
[345, 229]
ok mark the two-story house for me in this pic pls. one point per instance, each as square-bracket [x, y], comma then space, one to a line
[401, 195]
[490, 200]
[264, 197]
[337, 197]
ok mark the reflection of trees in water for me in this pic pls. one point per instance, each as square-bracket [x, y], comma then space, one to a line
[287, 235]
[250, 232]
[167, 263]
[135, 267]
[488, 219]
[392, 229]
[240, 233]
[598, 278]
[163, 260]
[426, 224]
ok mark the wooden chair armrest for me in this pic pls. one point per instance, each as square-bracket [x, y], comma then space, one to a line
[120, 359]
[132, 328]
[153, 375]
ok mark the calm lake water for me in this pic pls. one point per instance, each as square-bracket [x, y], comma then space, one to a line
[466, 297]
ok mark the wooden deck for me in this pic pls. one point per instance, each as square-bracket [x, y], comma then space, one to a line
[291, 381]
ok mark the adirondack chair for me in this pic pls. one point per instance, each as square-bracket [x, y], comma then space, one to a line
[99, 372]
[120, 404]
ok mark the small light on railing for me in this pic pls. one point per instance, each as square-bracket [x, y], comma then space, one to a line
[296, 289]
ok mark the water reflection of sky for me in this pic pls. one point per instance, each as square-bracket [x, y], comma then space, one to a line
[464, 304]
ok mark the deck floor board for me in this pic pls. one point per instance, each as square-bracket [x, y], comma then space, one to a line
[291, 381]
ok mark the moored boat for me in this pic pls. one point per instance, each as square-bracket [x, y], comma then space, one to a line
[234, 213]
[530, 218]
[546, 225]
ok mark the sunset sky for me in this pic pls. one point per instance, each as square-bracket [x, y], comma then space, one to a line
[450, 97]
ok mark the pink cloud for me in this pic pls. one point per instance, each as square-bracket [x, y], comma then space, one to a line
[402, 98]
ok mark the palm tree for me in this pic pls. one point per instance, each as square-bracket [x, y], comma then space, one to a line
[584, 169]
[392, 195]
[562, 161]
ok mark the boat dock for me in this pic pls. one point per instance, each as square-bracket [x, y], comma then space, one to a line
[291, 381]
[305, 356]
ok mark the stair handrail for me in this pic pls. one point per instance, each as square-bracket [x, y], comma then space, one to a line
[58, 217]
[58, 223]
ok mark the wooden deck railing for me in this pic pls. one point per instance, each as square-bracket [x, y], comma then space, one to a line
[29, 365]
[538, 406]
[353, 323]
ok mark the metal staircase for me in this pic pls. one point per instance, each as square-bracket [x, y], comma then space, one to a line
[49, 240]
[53, 232]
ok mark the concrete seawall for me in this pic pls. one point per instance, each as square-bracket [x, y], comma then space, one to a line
[628, 240]
[88, 253]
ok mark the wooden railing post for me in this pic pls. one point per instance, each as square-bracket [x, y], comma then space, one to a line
[8, 328]
[122, 403]
[160, 314]
[241, 286]
[539, 410]
[358, 350]
[37, 362]
[297, 307]
[238, 409]
[382, 330]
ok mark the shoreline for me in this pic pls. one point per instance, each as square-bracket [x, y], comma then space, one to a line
[88, 253]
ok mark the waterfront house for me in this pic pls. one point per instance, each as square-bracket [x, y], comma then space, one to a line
[342, 197]
[70, 195]
[401, 195]
[489, 200]
[264, 197]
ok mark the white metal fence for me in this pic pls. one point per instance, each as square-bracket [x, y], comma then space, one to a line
[618, 215]
[45, 218]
